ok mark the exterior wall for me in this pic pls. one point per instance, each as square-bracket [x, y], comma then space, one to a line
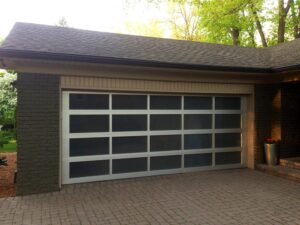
[39, 127]
[38, 133]
[267, 116]
[290, 145]
[142, 85]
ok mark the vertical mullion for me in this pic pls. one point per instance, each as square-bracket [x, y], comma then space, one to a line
[148, 133]
[182, 131]
[110, 131]
[213, 132]
[66, 137]
[244, 130]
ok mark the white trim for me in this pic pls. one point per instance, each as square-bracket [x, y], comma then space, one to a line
[66, 159]
[213, 133]
[146, 111]
[150, 154]
[144, 133]
[150, 173]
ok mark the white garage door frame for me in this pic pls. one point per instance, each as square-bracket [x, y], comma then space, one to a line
[66, 135]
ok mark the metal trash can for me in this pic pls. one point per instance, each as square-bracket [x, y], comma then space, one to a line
[271, 153]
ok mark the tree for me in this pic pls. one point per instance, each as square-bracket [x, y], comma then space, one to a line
[254, 7]
[62, 22]
[256, 23]
[184, 20]
[283, 11]
[224, 20]
[294, 19]
[8, 98]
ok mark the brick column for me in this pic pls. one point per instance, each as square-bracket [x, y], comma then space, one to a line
[38, 133]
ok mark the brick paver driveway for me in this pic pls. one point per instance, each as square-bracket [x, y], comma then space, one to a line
[220, 197]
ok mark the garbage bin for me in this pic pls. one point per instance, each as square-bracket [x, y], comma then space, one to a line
[271, 153]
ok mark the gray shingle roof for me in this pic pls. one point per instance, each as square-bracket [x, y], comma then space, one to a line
[286, 54]
[34, 38]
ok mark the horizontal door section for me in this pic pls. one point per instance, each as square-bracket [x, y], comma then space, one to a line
[121, 135]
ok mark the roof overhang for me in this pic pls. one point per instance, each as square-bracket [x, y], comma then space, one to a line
[125, 61]
[84, 65]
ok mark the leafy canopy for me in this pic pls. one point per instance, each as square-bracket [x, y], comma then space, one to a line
[8, 97]
[255, 23]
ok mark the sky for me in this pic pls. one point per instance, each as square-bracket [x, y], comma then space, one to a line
[99, 15]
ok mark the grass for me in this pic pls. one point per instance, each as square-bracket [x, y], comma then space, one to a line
[9, 147]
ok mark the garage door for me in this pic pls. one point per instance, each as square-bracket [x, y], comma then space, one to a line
[120, 135]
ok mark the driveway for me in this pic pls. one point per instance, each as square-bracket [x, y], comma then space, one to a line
[219, 197]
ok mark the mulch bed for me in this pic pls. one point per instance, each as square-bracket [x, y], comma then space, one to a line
[7, 186]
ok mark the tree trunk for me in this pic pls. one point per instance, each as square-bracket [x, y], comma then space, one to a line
[282, 13]
[258, 24]
[259, 27]
[281, 22]
[281, 29]
[235, 34]
[298, 26]
[252, 36]
[296, 20]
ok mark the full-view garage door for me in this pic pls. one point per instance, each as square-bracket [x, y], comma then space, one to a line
[120, 135]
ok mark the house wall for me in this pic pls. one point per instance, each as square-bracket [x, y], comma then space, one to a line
[154, 85]
[39, 126]
[290, 145]
[267, 102]
[277, 115]
[38, 133]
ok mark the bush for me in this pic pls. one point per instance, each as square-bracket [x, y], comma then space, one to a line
[8, 99]
[5, 137]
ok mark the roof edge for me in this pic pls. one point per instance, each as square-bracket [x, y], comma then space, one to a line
[123, 61]
[287, 68]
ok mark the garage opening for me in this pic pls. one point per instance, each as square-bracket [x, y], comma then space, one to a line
[121, 135]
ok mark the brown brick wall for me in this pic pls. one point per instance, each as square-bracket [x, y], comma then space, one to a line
[290, 145]
[38, 133]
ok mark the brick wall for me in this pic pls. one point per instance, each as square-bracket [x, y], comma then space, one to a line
[290, 145]
[267, 116]
[38, 133]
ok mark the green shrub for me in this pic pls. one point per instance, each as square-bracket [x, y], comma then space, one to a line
[5, 137]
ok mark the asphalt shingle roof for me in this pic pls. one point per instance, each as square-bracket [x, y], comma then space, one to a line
[26, 37]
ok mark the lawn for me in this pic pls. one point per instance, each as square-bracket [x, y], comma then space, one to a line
[9, 147]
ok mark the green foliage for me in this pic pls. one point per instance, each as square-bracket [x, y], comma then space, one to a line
[11, 146]
[293, 21]
[184, 20]
[253, 23]
[6, 137]
[8, 98]
[8, 141]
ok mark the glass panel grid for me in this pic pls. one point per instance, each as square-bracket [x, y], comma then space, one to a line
[181, 132]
